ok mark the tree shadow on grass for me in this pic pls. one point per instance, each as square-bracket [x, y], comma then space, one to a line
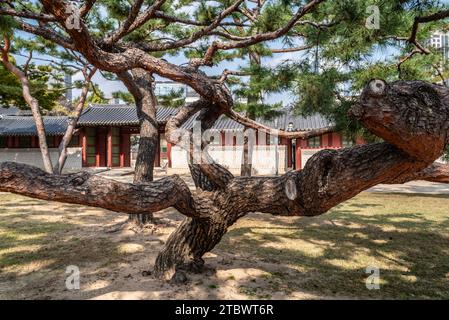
[328, 255]
[323, 257]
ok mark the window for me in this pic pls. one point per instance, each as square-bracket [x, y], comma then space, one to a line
[314, 142]
[3, 142]
[24, 142]
[347, 141]
[115, 147]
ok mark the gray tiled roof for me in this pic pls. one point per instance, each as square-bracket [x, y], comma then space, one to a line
[25, 126]
[222, 124]
[118, 115]
[98, 114]
[300, 123]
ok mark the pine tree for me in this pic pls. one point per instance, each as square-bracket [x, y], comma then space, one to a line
[339, 57]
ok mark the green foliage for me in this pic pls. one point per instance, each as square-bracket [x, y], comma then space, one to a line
[262, 82]
[10, 88]
[43, 88]
[125, 96]
[96, 96]
[316, 91]
[46, 79]
[173, 99]
[7, 25]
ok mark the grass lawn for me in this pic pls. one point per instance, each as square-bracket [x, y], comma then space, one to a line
[262, 256]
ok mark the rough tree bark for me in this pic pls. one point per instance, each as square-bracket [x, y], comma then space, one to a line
[140, 85]
[412, 117]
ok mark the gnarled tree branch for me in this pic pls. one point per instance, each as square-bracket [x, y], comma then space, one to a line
[87, 189]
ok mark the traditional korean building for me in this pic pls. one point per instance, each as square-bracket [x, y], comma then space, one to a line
[107, 136]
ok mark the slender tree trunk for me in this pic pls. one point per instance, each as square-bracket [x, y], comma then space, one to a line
[32, 103]
[72, 124]
[247, 166]
[140, 84]
[40, 128]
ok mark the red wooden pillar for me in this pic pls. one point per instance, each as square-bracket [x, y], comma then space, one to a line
[298, 164]
[109, 148]
[83, 139]
[100, 148]
[157, 157]
[125, 149]
[325, 140]
[34, 142]
[169, 154]
[289, 153]
[58, 141]
[336, 140]
[223, 138]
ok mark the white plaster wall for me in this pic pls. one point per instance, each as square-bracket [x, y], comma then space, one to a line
[306, 154]
[32, 156]
[263, 159]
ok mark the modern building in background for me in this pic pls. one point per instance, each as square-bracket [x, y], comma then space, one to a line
[440, 40]
[68, 84]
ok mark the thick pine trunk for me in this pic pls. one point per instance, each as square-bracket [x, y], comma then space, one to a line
[144, 168]
[186, 246]
[147, 150]
[140, 84]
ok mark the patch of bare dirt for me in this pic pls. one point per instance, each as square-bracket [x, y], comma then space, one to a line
[115, 258]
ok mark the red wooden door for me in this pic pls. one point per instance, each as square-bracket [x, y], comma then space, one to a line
[91, 147]
[115, 147]
[125, 150]
[101, 147]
